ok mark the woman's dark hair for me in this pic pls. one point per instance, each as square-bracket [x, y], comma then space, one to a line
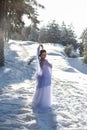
[42, 51]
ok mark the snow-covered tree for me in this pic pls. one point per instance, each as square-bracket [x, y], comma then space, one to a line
[50, 33]
[54, 33]
[68, 35]
[43, 35]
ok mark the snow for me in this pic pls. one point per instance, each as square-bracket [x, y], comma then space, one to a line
[17, 86]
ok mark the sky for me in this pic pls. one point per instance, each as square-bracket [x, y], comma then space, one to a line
[70, 11]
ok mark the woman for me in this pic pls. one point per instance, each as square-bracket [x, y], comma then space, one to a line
[42, 97]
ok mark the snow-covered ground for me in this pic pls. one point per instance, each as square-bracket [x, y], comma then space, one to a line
[17, 86]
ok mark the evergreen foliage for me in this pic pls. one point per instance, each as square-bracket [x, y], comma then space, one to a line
[11, 13]
[58, 34]
[84, 42]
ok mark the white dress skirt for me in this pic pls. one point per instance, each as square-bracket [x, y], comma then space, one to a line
[42, 97]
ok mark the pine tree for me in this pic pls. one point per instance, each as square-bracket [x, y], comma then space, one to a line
[11, 12]
[54, 32]
[84, 42]
[50, 33]
[68, 35]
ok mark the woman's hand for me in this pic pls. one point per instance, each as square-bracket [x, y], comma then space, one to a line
[41, 46]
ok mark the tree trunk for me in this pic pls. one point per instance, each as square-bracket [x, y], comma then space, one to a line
[2, 15]
[1, 48]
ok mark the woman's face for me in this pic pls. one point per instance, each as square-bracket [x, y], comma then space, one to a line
[43, 55]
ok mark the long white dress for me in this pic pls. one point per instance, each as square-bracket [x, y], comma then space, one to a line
[42, 97]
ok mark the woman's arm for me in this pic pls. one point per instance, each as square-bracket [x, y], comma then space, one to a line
[40, 47]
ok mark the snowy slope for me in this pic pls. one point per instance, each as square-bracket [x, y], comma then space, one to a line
[17, 86]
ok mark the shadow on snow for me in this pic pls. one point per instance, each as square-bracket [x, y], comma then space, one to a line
[15, 69]
[77, 64]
